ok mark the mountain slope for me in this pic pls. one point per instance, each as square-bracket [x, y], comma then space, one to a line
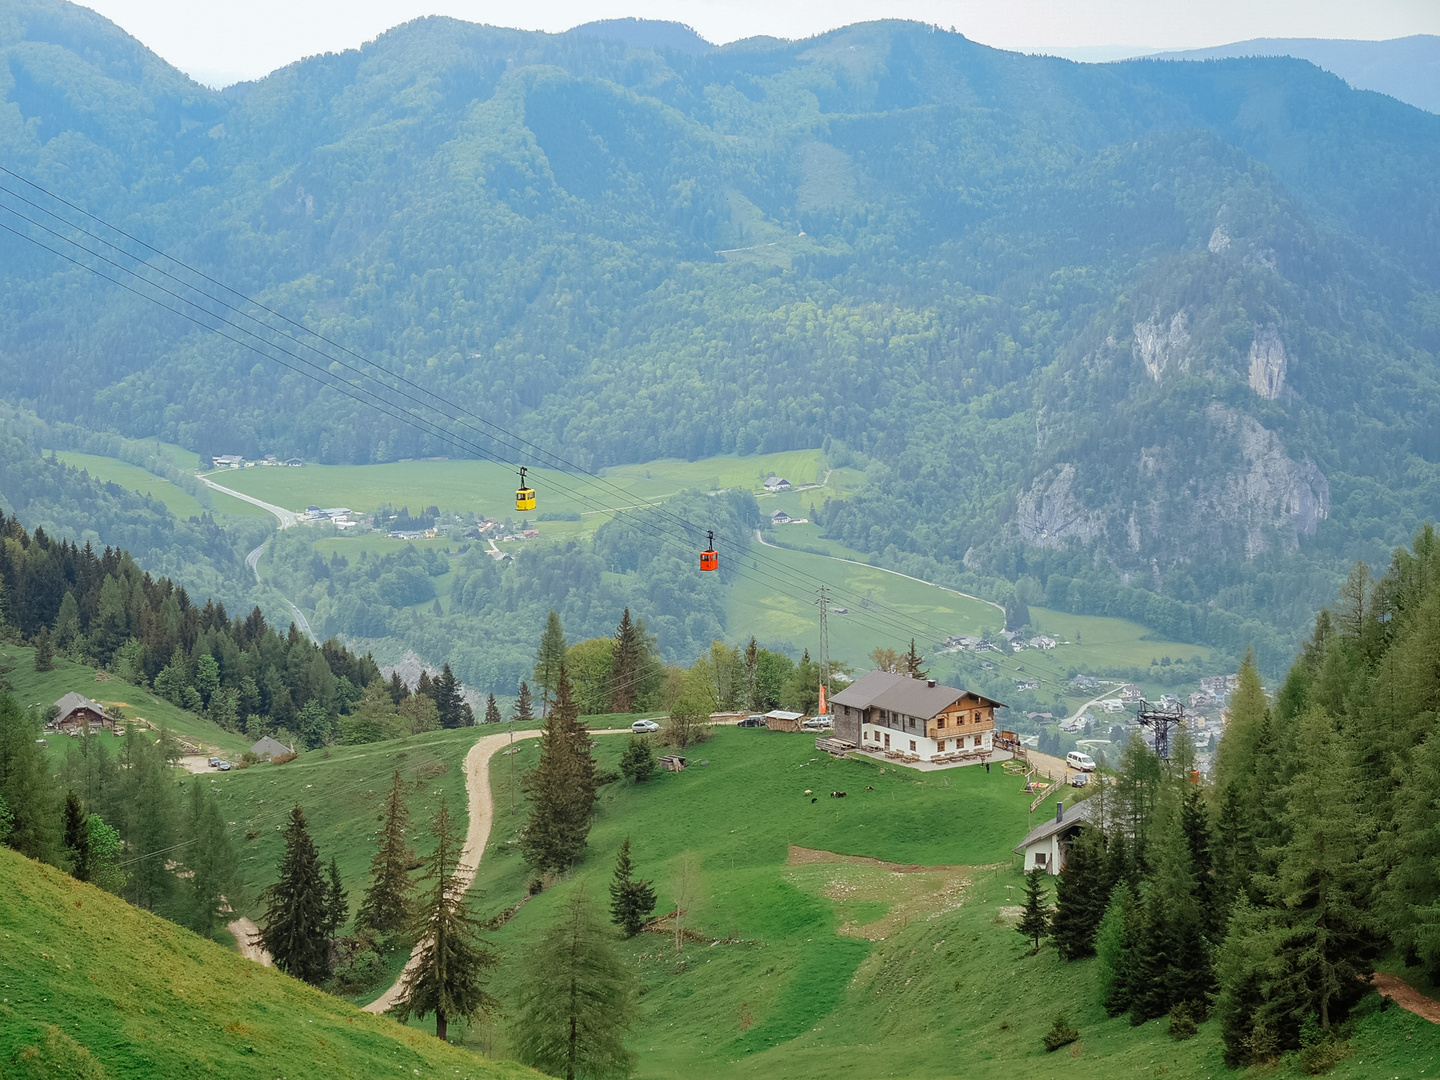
[1406, 68]
[1165, 329]
[96, 988]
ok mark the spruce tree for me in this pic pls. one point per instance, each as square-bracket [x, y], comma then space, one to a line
[524, 711]
[913, 663]
[293, 929]
[1080, 896]
[625, 665]
[454, 712]
[638, 761]
[399, 692]
[576, 1001]
[77, 839]
[449, 977]
[549, 659]
[150, 825]
[337, 901]
[425, 686]
[492, 710]
[1407, 899]
[561, 788]
[1035, 919]
[44, 651]
[631, 900]
[386, 906]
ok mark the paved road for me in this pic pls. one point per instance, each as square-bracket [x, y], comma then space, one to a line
[253, 561]
[287, 518]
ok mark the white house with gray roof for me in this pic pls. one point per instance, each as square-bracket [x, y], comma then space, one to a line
[915, 719]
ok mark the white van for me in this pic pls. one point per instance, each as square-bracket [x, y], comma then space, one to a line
[1083, 762]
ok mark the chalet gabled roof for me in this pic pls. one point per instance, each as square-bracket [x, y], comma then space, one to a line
[72, 701]
[902, 694]
[1075, 815]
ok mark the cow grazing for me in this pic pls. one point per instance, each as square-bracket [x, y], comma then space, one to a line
[837, 794]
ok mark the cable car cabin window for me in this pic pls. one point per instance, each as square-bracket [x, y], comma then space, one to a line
[525, 499]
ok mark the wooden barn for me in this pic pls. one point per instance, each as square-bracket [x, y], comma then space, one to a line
[78, 712]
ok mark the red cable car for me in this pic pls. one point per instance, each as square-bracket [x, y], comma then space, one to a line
[710, 558]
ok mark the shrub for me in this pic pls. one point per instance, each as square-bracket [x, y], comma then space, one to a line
[281, 759]
[1182, 1022]
[1060, 1034]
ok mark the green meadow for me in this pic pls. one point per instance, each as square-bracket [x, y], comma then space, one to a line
[94, 989]
[39, 690]
[112, 470]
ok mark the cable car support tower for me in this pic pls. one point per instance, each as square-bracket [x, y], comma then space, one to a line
[1160, 719]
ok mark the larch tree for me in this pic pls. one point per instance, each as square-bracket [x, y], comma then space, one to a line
[386, 907]
[631, 900]
[210, 859]
[562, 787]
[752, 675]
[576, 1003]
[453, 963]
[549, 659]
[625, 665]
[1322, 882]
[294, 922]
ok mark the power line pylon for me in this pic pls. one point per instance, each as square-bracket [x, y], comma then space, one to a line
[823, 602]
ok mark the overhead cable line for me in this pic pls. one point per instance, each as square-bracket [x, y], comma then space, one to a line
[892, 622]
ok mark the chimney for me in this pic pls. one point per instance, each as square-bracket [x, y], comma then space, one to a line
[929, 682]
[1059, 811]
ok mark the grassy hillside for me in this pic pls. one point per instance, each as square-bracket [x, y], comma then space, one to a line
[853, 968]
[96, 989]
[39, 690]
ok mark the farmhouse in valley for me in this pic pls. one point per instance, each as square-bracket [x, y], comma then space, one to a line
[78, 711]
[915, 719]
[270, 748]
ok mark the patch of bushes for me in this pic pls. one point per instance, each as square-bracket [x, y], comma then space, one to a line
[1060, 1034]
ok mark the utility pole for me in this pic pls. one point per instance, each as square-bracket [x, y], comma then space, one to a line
[823, 602]
[511, 755]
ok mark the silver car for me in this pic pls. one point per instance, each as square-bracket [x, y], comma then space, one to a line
[644, 727]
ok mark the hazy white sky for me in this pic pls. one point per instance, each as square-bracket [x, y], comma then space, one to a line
[224, 40]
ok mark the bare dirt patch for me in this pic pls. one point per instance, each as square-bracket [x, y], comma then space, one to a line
[860, 886]
[1406, 996]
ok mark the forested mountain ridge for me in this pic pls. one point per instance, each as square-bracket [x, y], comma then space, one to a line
[1169, 326]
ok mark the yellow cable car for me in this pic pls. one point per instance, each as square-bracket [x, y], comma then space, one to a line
[524, 497]
[710, 558]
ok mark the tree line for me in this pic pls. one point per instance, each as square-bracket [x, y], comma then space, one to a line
[1267, 897]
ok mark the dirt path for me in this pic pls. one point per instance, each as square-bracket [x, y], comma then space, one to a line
[247, 937]
[482, 815]
[1406, 996]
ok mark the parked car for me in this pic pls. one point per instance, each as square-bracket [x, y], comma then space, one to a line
[644, 727]
[224, 766]
[1080, 780]
[1076, 760]
[214, 762]
[751, 721]
[817, 723]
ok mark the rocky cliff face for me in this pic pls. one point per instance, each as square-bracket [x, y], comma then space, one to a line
[1162, 345]
[1267, 363]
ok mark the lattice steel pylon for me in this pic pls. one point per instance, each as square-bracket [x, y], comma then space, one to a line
[1160, 719]
[823, 602]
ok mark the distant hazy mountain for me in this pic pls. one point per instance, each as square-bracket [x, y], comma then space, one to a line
[1406, 68]
[1153, 339]
[646, 34]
